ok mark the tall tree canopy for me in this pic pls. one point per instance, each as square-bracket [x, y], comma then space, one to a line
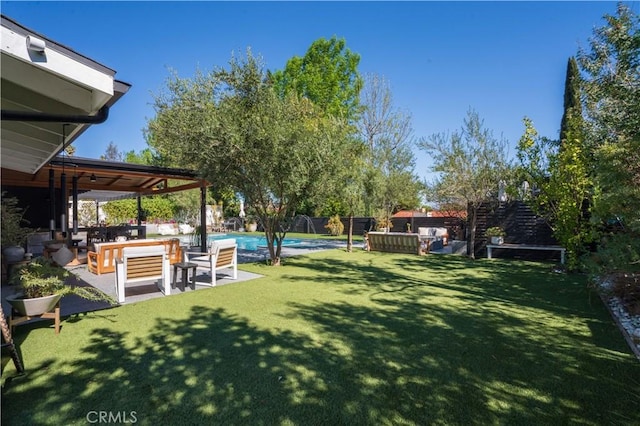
[327, 75]
[112, 153]
[560, 173]
[572, 102]
[611, 74]
[387, 134]
[470, 164]
[231, 125]
[145, 156]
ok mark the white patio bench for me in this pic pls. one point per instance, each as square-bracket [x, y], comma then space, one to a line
[490, 247]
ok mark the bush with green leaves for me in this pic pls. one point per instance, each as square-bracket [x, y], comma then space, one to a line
[495, 231]
[11, 220]
[42, 277]
[383, 222]
[335, 225]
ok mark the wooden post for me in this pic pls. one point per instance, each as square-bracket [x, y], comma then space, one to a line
[203, 218]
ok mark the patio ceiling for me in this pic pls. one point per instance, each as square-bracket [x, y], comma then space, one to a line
[113, 180]
[47, 90]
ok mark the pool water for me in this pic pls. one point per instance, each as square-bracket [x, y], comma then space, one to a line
[250, 242]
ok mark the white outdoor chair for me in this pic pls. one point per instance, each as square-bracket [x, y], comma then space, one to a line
[222, 254]
[141, 264]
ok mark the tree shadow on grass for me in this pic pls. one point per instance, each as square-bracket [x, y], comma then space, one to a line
[213, 368]
[476, 366]
[481, 281]
[407, 356]
[366, 366]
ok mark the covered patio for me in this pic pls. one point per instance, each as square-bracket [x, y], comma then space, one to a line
[66, 180]
[51, 95]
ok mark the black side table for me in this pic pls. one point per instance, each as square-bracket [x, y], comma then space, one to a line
[185, 267]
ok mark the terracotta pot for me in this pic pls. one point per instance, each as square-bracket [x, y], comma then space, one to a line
[35, 306]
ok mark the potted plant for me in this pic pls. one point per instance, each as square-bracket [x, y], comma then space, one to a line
[496, 234]
[251, 225]
[195, 236]
[384, 224]
[41, 284]
[12, 233]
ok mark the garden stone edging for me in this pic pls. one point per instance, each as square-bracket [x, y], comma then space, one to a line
[629, 325]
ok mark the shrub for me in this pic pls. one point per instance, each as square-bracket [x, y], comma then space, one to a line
[383, 223]
[627, 288]
[335, 226]
[12, 234]
[495, 231]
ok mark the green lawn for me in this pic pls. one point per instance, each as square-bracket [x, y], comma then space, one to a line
[340, 338]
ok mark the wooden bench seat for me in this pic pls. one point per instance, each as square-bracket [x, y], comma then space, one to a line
[490, 247]
[395, 242]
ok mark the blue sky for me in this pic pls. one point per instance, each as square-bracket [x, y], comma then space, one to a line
[506, 60]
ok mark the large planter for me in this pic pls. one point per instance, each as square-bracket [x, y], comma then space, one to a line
[497, 240]
[252, 227]
[13, 254]
[35, 306]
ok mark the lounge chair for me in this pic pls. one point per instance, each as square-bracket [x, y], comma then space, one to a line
[222, 254]
[141, 264]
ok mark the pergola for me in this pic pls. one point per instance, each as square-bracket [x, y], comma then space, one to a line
[99, 180]
[105, 180]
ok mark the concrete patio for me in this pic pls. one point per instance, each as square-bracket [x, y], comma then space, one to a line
[145, 290]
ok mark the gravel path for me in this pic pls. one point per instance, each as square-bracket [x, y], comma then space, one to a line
[628, 324]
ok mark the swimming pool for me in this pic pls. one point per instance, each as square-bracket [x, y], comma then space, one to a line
[251, 242]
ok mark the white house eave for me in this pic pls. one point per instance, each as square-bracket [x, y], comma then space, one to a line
[47, 78]
[54, 74]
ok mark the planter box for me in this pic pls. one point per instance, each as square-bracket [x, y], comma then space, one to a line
[33, 307]
[497, 240]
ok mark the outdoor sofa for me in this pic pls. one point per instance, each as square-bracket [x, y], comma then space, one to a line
[434, 237]
[102, 259]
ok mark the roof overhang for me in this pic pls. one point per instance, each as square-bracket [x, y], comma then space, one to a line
[106, 180]
[44, 78]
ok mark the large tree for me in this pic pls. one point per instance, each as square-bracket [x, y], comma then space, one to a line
[145, 156]
[231, 125]
[387, 135]
[470, 164]
[327, 75]
[560, 173]
[560, 184]
[112, 153]
[572, 112]
[611, 74]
